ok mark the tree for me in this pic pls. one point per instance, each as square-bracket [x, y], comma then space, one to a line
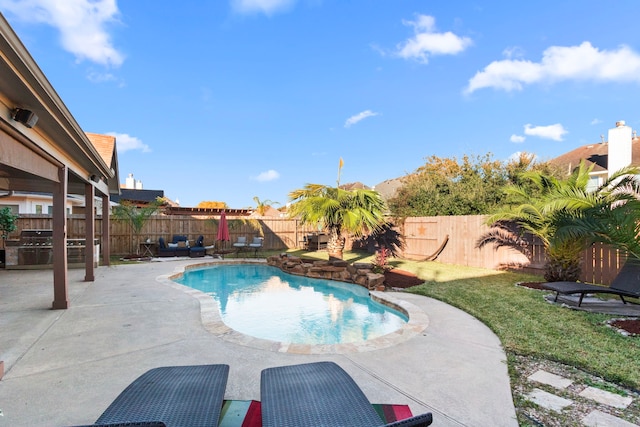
[207, 204]
[337, 210]
[7, 223]
[554, 205]
[136, 217]
[469, 186]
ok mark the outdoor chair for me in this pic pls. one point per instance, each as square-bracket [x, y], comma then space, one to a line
[256, 244]
[626, 284]
[171, 396]
[319, 394]
[197, 250]
[240, 244]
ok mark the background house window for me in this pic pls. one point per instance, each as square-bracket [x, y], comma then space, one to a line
[38, 209]
[50, 210]
[593, 184]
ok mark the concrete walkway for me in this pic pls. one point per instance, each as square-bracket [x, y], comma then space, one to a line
[65, 367]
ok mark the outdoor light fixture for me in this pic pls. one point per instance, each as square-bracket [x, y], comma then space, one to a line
[94, 178]
[26, 117]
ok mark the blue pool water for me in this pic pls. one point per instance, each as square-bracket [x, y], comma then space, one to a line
[263, 302]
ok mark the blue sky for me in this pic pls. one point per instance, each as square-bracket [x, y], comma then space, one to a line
[231, 99]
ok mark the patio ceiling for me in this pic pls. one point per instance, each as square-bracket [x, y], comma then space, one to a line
[29, 156]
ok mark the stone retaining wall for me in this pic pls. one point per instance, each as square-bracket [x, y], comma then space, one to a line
[359, 273]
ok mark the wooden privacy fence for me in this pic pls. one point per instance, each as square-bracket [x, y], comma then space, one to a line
[423, 237]
[278, 233]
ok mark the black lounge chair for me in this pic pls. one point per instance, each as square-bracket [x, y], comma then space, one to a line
[319, 394]
[170, 396]
[626, 284]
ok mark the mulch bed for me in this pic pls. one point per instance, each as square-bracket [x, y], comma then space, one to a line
[631, 327]
[401, 279]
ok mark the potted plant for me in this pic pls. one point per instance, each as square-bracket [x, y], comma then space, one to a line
[7, 225]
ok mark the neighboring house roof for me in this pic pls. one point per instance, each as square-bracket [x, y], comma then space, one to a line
[137, 196]
[389, 188]
[594, 154]
[268, 211]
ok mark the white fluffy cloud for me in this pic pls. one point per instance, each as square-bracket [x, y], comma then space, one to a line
[427, 41]
[82, 25]
[517, 138]
[554, 132]
[125, 142]
[270, 175]
[267, 7]
[583, 62]
[358, 117]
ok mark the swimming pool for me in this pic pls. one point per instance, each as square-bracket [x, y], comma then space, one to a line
[263, 302]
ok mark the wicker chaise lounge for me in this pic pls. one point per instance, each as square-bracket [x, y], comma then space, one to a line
[626, 284]
[172, 396]
[319, 394]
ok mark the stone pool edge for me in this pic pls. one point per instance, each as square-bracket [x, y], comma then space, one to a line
[212, 322]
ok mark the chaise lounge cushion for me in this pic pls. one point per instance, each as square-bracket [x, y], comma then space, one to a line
[173, 395]
[319, 394]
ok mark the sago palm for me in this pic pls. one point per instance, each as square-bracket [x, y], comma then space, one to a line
[615, 220]
[559, 204]
[337, 210]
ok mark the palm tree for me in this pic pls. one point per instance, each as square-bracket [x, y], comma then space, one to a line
[616, 223]
[337, 210]
[559, 205]
[136, 216]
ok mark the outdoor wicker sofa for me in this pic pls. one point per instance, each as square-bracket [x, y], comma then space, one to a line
[319, 394]
[178, 247]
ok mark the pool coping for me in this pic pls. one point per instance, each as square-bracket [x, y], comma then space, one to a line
[212, 322]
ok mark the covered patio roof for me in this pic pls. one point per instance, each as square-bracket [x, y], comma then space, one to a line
[43, 149]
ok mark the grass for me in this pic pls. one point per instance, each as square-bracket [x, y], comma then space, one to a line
[526, 324]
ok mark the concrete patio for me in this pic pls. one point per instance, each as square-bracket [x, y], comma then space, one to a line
[64, 367]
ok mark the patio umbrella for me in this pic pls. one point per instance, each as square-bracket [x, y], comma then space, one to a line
[223, 228]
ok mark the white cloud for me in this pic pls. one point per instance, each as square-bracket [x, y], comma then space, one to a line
[596, 121]
[270, 175]
[267, 7]
[82, 25]
[358, 117]
[554, 132]
[513, 52]
[517, 138]
[583, 62]
[125, 142]
[97, 77]
[427, 41]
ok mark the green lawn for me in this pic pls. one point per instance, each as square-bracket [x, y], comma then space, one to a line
[525, 323]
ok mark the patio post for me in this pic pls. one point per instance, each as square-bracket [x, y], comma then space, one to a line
[60, 273]
[89, 233]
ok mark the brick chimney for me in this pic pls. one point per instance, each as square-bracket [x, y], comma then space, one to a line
[619, 147]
